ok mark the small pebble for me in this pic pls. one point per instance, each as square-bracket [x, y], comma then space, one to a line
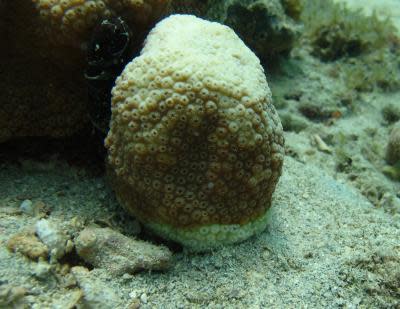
[27, 244]
[10, 295]
[321, 145]
[127, 276]
[33, 209]
[134, 304]
[68, 300]
[143, 298]
[51, 234]
[42, 270]
[27, 207]
[96, 293]
[133, 294]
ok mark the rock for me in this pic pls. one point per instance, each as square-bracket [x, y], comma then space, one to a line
[143, 298]
[11, 296]
[69, 300]
[134, 304]
[27, 207]
[27, 244]
[10, 211]
[42, 270]
[96, 294]
[119, 254]
[32, 209]
[264, 26]
[54, 237]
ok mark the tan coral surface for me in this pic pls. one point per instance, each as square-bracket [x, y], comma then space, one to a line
[43, 92]
[195, 139]
[70, 22]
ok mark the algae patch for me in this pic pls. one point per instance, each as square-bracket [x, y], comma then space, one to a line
[365, 47]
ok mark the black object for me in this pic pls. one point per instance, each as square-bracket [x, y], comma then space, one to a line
[109, 50]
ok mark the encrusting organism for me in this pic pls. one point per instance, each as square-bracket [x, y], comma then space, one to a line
[195, 146]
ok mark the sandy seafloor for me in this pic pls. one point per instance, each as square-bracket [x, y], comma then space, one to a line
[332, 241]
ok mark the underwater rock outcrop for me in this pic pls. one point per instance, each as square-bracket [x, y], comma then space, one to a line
[195, 146]
[268, 27]
[264, 26]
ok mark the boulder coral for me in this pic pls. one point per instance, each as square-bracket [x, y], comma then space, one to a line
[70, 22]
[45, 56]
[195, 146]
[41, 94]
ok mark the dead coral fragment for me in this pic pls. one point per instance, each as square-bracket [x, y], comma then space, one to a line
[96, 293]
[54, 237]
[12, 296]
[119, 254]
[27, 244]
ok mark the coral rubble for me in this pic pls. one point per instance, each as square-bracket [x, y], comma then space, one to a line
[119, 254]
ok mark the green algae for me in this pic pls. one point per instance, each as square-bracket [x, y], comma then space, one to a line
[365, 47]
[335, 31]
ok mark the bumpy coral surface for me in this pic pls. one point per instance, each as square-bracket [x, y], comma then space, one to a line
[71, 21]
[195, 145]
[41, 95]
[268, 27]
[44, 60]
[393, 147]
